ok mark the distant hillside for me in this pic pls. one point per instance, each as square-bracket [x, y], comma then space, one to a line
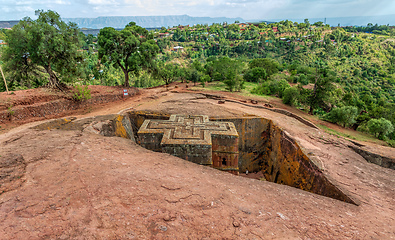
[351, 21]
[147, 21]
[8, 24]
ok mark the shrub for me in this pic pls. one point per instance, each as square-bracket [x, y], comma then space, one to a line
[303, 79]
[278, 87]
[81, 94]
[391, 143]
[380, 127]
[290, 96]
[146, 80]
[194, 76]
[234, 83]
[344, 116]
[205, 78]
[256, 74]
[273, 87]
[11, 112]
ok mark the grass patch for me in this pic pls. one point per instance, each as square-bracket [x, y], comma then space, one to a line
[215, 86]
[220, 86]
[354, 135]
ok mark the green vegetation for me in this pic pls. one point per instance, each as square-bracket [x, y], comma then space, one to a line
[81, 93]
[130, 49]
[380, 127]
[11, 112]
[344, 116]
[44, 46]
[343, 75]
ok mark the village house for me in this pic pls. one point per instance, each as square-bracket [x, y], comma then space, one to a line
[242, 25]
[177, 48]
[162, 35]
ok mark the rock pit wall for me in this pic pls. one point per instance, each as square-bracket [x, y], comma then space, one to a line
[374, 158]
[288, 164]
[263, 147]
[266, 148]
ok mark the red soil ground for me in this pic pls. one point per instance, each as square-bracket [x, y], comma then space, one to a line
[78, 185]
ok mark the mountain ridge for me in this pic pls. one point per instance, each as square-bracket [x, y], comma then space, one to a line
[147, 21]
[349, 21]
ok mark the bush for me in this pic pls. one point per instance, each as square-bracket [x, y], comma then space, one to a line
[290, 96]
[145, 80]
[256, 74]
[205, 78]
[234, 83]
[391, 143]
[278, 87]
[273, 87]
[81, 94]
[344, 116]
[194, 76]
[303, 79]
[380, 127]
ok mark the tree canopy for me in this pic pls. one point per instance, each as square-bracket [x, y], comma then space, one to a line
[43, 47]
[271, 66]
[131, 49]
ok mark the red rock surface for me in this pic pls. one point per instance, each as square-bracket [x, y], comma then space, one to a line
[85, 186]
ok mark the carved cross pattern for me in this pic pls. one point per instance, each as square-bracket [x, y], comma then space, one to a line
[195, 139]
[180, 129]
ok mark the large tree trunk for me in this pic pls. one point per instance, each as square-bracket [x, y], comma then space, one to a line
[126, 73]
[53, 79]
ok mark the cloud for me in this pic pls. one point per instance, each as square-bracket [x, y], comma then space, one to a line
[103, 2]
[247, 9]
[42, 2]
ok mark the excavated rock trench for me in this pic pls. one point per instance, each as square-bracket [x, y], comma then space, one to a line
[266, 148]
[263, 148]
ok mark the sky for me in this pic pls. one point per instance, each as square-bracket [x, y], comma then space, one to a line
[246, 9]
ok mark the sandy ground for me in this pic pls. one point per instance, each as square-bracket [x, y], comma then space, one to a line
[76, 185]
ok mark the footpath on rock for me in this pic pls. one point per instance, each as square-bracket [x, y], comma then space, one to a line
[63, 179]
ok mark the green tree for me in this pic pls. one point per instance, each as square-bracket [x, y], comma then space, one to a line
[205, 78]
[219, 68]
[323, 85]
[306, 21]
[256, 74]
[194, 76]
[380, 127]
[271, 66]
[233, 81]
[2, 35]
[168, 72]
[290, 95]
[46, 45]
[131, 49]
[344, 116]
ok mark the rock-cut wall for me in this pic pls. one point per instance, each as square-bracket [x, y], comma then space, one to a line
[263, 147]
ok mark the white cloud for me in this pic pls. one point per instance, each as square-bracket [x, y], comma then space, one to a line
[247, 9]
[42, 2]
[103, 2]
